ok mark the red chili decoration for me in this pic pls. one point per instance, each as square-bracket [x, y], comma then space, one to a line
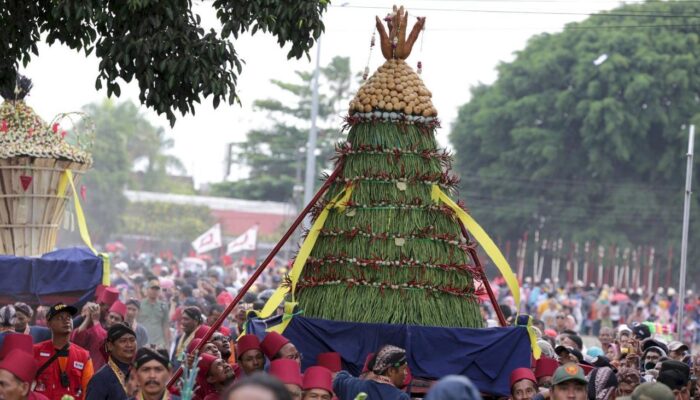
[54, 127]
[3, 127]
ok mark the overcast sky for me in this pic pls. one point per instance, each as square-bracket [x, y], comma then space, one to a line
[463, 43]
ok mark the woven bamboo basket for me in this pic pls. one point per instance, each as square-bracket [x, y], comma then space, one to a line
[33, 159]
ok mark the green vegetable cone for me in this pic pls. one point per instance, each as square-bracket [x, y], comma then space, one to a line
[391, 253]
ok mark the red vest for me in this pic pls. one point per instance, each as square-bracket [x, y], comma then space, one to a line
[49, 382]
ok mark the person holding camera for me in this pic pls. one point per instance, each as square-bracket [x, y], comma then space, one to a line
[64, 367]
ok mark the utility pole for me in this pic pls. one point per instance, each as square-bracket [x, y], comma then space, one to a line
[686, 222]
[313, 133]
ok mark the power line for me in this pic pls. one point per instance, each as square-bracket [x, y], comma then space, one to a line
[525, 12]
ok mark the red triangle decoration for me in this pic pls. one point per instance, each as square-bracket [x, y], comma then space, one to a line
[26, 181]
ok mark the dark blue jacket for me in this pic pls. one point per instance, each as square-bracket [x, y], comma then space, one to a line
[105, 385]
[346, 387]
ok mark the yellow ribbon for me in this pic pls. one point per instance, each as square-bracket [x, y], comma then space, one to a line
[484, 240]
[67, 177]
[536, 350]
[339, 202]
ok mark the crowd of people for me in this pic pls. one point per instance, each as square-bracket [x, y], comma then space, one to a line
[132, 336]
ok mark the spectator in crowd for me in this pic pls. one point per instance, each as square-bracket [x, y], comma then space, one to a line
[8, 319]
[627, 380]
[24, 314]
[569, 383]
[676, 375]
[154, 317]
[133, 307]
[523, 384]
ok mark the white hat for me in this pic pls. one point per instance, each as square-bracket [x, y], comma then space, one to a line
[121, 266]
[671, 291]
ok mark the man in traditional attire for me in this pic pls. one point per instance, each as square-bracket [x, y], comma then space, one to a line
[17, 371]
[289, 373]
[250, 356]
[214, 375]
[318, 384]
[190, 320]
[110, 382]
[277, 346]
[152, 370]
[64, 367]
[389, 373]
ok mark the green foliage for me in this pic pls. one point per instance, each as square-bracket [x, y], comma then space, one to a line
[586, 147]
[123, 138]
[166, 221]
[392, 254]
[273, 154]
[161, 44]
[109, 174]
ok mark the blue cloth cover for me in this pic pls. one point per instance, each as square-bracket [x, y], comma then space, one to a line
[486, 356]
[74, 270]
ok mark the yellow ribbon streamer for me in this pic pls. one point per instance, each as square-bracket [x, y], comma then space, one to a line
[339, 202]
[536, 350]
[67, 177]
[484, 240]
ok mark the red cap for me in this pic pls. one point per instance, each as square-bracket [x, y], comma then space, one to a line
[248, 342]
[519, 374]
[272, 344]
[205, 362]
[318, 378]
[201, 331]
[98, 290]
[550, 332]
[17, 341]
[286, 370]
[20, 364]
[119, 308]
[546, 367]
[193, 344]
[108, 296]
[329, 360]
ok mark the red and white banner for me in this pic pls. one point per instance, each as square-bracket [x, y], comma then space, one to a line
[209, 240]
[247, 241]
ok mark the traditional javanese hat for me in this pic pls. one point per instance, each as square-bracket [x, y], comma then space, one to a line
[318, 378]
[118, 308]
[272, 344]
[20, 364]
[246, 343]
[330, 360]
[287, 371]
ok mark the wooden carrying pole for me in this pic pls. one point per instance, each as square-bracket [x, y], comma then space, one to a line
[215, 326]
